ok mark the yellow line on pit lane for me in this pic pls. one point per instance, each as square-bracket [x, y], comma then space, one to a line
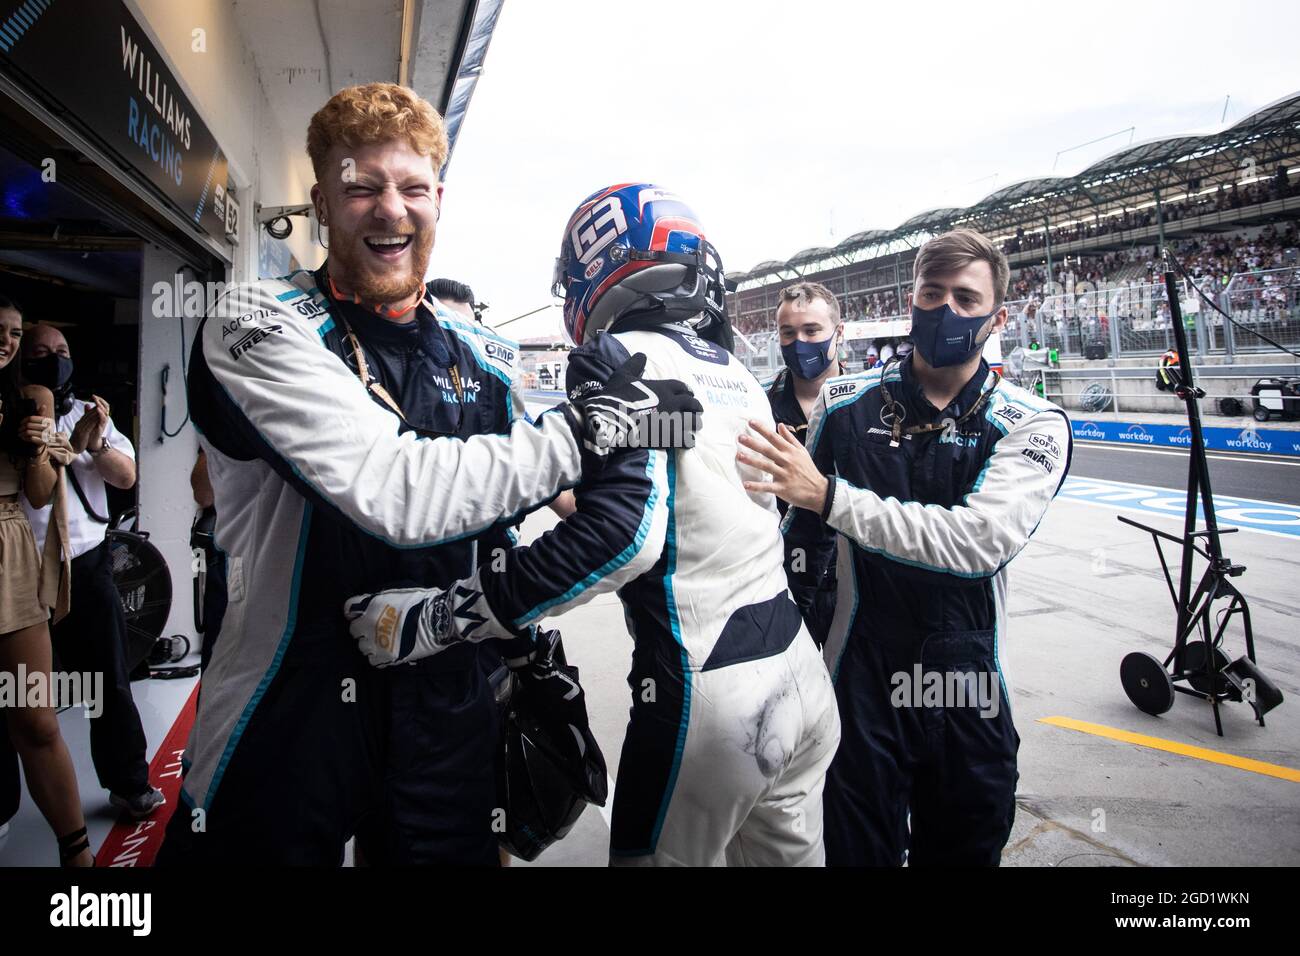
[1173, 747]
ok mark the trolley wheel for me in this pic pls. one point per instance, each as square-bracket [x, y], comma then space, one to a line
[1194, 668]
[1262, 414]
[1147, 683]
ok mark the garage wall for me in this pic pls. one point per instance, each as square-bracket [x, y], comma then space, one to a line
[166, 503]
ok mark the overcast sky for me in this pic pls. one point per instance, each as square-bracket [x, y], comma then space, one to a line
[794, 124]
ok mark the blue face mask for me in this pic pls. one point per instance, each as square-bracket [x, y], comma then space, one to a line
[808, 360]
[943, 338]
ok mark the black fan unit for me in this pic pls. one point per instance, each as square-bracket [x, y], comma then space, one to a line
[144, 584]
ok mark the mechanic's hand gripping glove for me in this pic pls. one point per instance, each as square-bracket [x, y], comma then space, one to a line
[627, 411]
[408, 624]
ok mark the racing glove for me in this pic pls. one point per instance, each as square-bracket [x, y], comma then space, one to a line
[404, 625]
[627, 411]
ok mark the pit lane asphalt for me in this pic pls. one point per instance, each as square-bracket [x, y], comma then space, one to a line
[1262, 477]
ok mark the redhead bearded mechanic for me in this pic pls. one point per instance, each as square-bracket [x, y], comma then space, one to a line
[733, 721]
[327, 484]
[935, 473]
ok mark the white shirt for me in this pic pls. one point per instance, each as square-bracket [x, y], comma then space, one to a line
[83, 533]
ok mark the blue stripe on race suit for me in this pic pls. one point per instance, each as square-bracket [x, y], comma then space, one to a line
[290, 623]
[971, 575]
[449, 321]
[979, 479]
[474, 533]
[620, 559]
[1003, 689]
[286, 296]
[675, 620]
[871, 380]
[853, 616]
[467, 336]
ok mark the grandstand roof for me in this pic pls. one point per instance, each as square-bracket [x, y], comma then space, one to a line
[1026, 189]
[1131, 173]
[865, 238]
[812, 254]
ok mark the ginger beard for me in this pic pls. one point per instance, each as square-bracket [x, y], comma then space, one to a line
[379, 277]
[381, 212]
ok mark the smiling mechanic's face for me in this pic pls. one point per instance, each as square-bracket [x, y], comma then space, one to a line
[381, 210]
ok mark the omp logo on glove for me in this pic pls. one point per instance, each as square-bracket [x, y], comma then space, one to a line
[386, 628]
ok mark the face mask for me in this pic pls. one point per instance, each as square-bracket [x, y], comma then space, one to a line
[943, 338]
[808, 360]
[54, 371]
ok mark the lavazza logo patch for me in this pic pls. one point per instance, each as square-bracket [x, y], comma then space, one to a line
[1038, 458]
[1088, 430]
[498, 351]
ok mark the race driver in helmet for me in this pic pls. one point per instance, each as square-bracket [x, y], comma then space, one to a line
[733, 720]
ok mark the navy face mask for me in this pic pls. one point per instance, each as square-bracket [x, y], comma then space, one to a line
[54, 371]
[943, 338]
[808, 360]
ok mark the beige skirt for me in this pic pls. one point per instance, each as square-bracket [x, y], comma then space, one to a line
[20, 571]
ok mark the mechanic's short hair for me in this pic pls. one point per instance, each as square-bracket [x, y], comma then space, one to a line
[449, 290]
[954, 251]
[376, 113]
[804, 294]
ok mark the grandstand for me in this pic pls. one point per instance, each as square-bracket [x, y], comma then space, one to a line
[1082, 248]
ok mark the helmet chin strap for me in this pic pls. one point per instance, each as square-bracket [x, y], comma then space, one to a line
[381, 310]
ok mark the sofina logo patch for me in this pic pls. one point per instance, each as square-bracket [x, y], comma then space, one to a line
[1047, 443]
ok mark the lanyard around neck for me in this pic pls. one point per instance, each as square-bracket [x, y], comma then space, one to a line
[897, 412]
[368, 380]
